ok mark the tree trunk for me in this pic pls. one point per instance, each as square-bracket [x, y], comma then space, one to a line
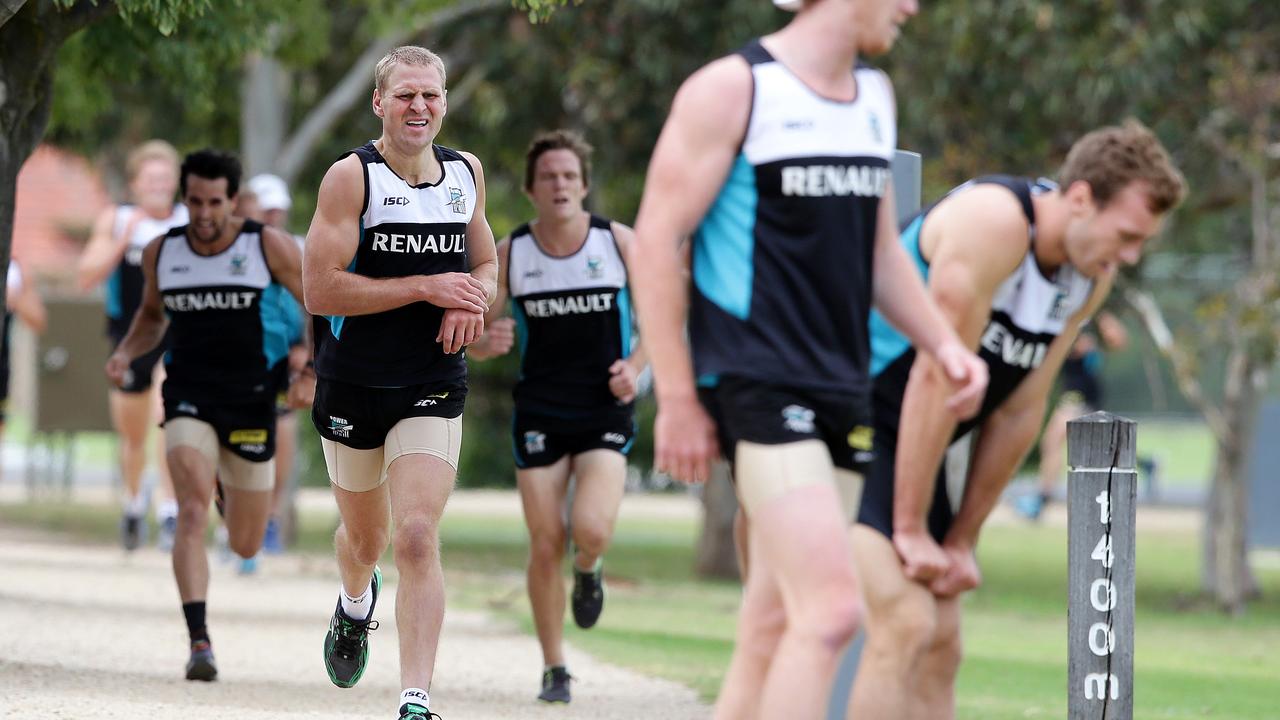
[717, 556]
[1225, 574]
[29, 43]
[26, 78]
[264, 112]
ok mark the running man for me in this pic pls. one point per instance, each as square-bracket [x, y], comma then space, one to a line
[574, 403]
[208, 283]
[776, 161]
[114, 254]
[402, 261]
[1018, 265]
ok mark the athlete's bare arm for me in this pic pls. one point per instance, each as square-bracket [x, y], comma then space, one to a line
[624, 373]
[149, 322]
[463, 326]
[499, 331]
[284, 259]
[331, 289]
[1003, 442]
[103, 251]
[973, 243]
[690, 162]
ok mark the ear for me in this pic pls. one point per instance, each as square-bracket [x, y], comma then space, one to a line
[377, 102]
[1079, 196]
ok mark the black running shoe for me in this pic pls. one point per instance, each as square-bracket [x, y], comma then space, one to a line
[201, 665]
[346, 646]
[132, 530]
[410, 711]
[555, 685]
[588, 597]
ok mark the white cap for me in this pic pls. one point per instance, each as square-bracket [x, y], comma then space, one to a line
[272, 192]
[790, 5]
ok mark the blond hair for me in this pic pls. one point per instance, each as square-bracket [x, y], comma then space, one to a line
[406, 55]
[1111, 158]
[146, 152]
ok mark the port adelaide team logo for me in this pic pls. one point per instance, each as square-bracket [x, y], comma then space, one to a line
[457, 201]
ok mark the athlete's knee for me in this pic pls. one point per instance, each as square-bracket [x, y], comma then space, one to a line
[831, 618]
[592, 536]
[244, 544]
[904, 628]
[546, 548]
[365, 548]
[416, 541]
[193, 515]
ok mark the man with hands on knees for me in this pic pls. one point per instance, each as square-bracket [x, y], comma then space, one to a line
[1018, 266]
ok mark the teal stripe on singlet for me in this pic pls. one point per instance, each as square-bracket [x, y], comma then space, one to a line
[336, 321]
[887, 344]
[724, 242]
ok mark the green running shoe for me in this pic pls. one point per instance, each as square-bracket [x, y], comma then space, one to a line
[346, 646]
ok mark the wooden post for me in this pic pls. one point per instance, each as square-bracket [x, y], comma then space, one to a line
[1102, 487]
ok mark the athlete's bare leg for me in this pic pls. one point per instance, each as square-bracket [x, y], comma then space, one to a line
[193, 481]
[419, 486]
[901, 621]
[131, 415]
[935, 680]
[601, 477]
[542, 492]
[761, 623]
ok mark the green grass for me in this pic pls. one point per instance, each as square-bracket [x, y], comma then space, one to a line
[1191, 662]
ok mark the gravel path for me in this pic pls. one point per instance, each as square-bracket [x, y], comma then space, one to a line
[89, 632]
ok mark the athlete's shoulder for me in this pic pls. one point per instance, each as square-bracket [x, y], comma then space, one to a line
[343, 186]
[448, 154]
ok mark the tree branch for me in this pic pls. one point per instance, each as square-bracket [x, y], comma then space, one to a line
[355, 84]
[64, 23]
[1158, 330]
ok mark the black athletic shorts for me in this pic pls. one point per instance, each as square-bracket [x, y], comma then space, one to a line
[360, 417]
[767, 414]
[540, 440]
[246, 429]
[138, 378]
[876, 509]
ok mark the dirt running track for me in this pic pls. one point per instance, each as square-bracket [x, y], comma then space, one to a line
[88, 632]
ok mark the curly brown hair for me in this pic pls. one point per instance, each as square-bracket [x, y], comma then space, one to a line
[1110, 158]
[558, 140]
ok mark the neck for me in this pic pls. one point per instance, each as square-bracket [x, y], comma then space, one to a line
[416, 167]
[223, 241]
[818, 47]
[562, 235]
[1051, 230]
[158, 212]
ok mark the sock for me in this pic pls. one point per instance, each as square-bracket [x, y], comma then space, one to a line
[166, 509]
[415, 696]
[358, 608]
[194, 611]
[595, 567]
[136, 506]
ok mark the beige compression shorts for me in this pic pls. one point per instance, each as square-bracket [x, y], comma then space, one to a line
[765, 472]
[363, 470]
[233, 470]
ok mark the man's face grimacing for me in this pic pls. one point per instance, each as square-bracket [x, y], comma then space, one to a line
[412, 106]
[1097, 240]
[558, 186]
[209, 207]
